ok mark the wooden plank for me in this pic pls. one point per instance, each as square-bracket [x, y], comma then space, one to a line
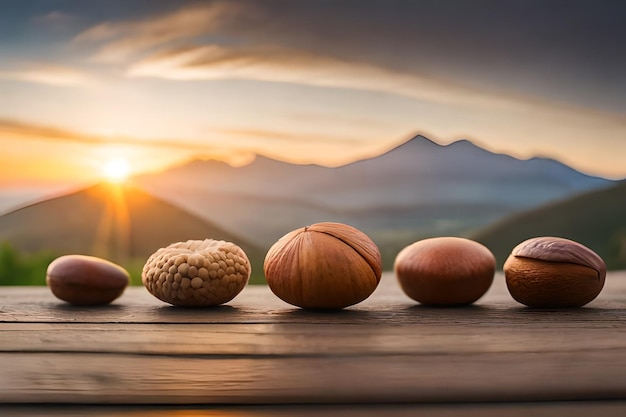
[128, 379]
[544, 409]
[261, 350]
[293, 340]
[256, 304]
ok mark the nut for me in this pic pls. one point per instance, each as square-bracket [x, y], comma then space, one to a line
[197, 273]
[445, 271]
[86, 280]
[554, 272]
[323, 266]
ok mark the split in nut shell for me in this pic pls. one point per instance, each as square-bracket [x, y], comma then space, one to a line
[552, 272]
[323, 266]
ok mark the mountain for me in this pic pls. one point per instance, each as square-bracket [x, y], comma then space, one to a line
[120, 223]
[417, 189]
[419, 171]
[596, 219]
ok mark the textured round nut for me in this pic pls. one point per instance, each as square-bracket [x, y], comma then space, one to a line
[553, 272]
[445, 271]
[86, 280]
[324, 266]
[193, 273]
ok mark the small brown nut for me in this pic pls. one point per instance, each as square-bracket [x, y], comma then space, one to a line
[86, 280]
[553, 272]
[323, 266]
[445, 271]
[197, 273]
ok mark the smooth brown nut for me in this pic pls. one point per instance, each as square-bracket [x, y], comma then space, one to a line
[86, 280]
[553, 272]
[197, 273]
[323, 266]
[445, 271]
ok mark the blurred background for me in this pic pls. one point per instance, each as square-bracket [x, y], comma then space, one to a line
[126, 126]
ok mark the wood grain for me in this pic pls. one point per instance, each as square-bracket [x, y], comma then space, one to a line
[259, 350]
[542, 409]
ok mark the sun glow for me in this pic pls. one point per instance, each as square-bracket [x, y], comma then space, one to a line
[116, 170]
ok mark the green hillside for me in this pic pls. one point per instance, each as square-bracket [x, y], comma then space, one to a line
[117, 222]
[596, 219]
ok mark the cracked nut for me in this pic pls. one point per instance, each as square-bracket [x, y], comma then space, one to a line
[197, 273]
[554, 272]
[323, 266]
[445, 271]
[86, 280]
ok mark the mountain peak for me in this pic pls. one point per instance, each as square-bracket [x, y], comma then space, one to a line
[463, 142]
[421, 140]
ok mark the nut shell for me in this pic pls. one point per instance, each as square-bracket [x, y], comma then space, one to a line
[86, 280]
[553, 272]
[197, 273]
[323, 266]
[445, 271]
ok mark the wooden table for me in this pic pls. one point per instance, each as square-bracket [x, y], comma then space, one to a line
[259, 356]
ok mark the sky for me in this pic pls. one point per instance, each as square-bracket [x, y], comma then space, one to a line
[156, 83]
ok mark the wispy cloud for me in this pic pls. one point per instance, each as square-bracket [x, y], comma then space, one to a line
[122, 40]
[24, 130]
[243, 143]
[47, 73]
[222, 40]
[166, 38]
[56, 19]
[277, 64]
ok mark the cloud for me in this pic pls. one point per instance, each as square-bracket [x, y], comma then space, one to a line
[263, 42]
[283, 65]
[515, 49]
[163, 37]
[122, 40]
[244, 143]
[278, 64]
[56, 19]
[32, 131]
[46, 73]
[288, 137]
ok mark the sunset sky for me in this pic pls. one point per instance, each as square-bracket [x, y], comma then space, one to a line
[154, 83]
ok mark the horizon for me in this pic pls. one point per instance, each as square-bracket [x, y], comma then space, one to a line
[107, 90]
[127, 179]
[251, 158]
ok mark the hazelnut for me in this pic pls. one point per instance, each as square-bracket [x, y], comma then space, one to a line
[554, 272]
[445, 271]
[325, 265]
[197, 273]
[86, 280]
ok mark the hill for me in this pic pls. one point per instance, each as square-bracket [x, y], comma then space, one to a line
[117, 222]
[596, 219]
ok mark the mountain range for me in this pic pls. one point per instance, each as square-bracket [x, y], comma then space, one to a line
[416, 190]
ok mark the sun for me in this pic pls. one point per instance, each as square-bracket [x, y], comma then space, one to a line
[116, 170]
